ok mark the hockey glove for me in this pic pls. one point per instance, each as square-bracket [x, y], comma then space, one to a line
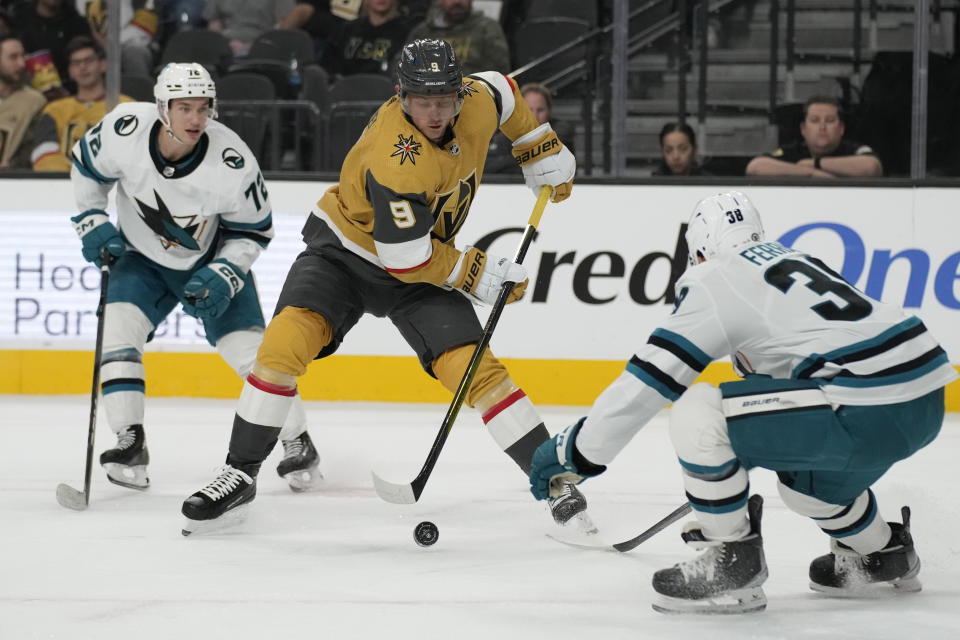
[545, 161]
[557, 462]
[211, 288]
[481, 276]
[97, 233]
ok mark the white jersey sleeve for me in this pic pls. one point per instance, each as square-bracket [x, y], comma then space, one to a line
[658, 374]
[94, 172]
[246, 220]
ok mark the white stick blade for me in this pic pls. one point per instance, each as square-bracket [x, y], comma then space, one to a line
[394, 493]
[70, 498]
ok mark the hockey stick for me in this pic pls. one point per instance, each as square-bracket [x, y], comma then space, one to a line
[409, 493]
[674, 515]
[632, 543]
[67, 496]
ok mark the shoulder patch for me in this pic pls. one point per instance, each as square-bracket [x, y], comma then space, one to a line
[467, 87]
[777, 153]
[407, 149]
[232, 158]
[125, 125]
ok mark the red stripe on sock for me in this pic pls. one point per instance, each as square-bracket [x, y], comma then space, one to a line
[503, 404]
[269, 387]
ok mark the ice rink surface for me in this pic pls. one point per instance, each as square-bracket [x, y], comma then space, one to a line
[339, 563]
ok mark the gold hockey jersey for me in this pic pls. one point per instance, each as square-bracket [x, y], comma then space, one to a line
[402, 199]
[68, 120]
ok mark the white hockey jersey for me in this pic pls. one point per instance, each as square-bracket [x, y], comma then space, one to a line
[778, 312]
[214, 200]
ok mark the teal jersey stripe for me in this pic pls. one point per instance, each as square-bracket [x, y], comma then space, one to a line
[693, 350]
[906, 325]
[652, 382]
[898, 378]
[264, 224]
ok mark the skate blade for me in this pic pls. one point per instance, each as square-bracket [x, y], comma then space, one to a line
[304, 479]
[874, 590]
[134, 477]
[228, 520]
[581, 524]
[749, 600]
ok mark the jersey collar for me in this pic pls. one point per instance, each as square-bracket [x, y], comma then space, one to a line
[185, 166]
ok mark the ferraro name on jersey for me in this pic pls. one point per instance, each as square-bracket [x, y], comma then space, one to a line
[174, 213]
[778, 312]
[402, 199]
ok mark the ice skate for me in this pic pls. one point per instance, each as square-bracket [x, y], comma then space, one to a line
[219, 504]
[726, 578]
[846, 573]
[300, 463]
[126, 464]
[569, 510]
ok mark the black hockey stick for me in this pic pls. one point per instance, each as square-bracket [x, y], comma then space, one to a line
[409, 493]
[67, 496]
[632, 543]
[674, 515]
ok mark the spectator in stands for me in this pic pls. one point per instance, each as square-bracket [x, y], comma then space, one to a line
[241, 21]
[6, 23]
[45, 27]
[369, 43]
[477, 40]
[678, 149]
[66, 120]
[139, 26]
[540, 100]
[20, 106]
[822, 153]
[319, 19]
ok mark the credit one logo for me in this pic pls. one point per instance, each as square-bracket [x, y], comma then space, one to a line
[554, 266]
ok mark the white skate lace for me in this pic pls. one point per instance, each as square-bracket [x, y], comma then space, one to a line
[225, 483]
[126, 439]
[845, 560]
[565, 494]
[292, 448]
[704, 566]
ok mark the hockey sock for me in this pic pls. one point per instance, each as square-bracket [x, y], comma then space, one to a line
[122, 384]
[261, 411]
[516, 427]
[717, 485]
[857, 525]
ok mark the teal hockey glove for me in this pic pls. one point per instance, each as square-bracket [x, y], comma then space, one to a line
[211, 288]
[97, 233]
[557, 461]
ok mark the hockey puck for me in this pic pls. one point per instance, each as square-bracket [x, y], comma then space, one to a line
[426, 533]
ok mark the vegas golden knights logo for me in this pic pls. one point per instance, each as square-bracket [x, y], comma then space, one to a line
[450, 208]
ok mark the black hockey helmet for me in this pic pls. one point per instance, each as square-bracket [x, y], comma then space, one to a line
[429, 67]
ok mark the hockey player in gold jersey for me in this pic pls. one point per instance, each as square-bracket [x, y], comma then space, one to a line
[382, 242]
[64, 121]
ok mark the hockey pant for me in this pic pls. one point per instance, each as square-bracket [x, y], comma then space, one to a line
[126, 329]
[826, 460]
[296, 335]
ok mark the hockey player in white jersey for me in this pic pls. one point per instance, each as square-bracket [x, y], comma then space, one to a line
[837, 388]
[193, 214]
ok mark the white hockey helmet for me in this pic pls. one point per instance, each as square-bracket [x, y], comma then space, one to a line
[183, 80]
[722, 223]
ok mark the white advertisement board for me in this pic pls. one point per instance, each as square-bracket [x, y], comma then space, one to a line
[600, 266]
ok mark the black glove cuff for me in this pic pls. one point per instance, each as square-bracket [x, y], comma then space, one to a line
[584, 466]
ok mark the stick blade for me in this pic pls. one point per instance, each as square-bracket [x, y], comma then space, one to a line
[392, 492]
[70, 498]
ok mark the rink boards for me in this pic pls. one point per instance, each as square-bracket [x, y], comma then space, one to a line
[600, 282]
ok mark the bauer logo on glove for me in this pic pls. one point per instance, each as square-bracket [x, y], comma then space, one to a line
[544, 146]
[545, 162]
